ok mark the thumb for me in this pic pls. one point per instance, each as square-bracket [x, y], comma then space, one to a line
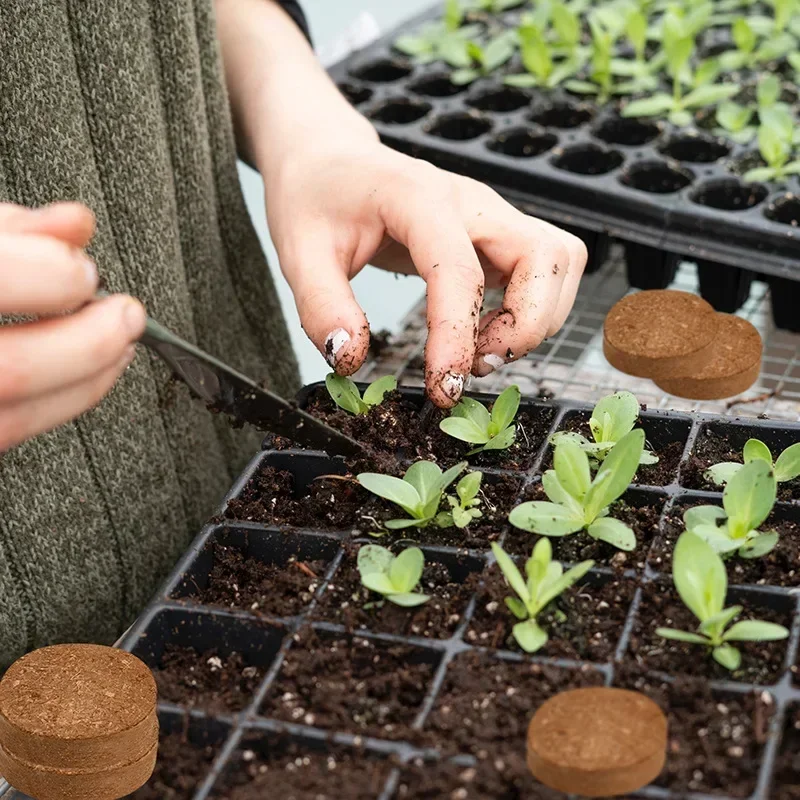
[72, 223]
[328, 310]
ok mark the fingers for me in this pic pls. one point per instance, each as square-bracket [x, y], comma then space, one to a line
[328, 310]
[72, 223]
[42, 357]
[24, 420]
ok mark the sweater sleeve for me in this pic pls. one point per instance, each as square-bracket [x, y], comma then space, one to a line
[294, 10]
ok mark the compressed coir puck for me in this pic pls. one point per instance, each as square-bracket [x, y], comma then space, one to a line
[597, 742]
[78, 721]
[659, 333]
[734, 366]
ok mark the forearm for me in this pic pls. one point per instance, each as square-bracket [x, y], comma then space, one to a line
[282, 100]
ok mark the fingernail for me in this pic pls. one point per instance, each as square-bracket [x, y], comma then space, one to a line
[128, 356]
[453, 385]
[134, 318]
[493, 361]
[90, 269]
[334, 342]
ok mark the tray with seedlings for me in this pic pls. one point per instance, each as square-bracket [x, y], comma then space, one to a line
[671, 125]
[387, 628]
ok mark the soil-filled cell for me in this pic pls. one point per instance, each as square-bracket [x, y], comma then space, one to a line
[459, 126]
[695, 148]
[563, 115]
[587, 159]
[729, 194]
[399, 111]
[785, 210]
[383, 70]
[501, 99]
[656, 177]
[522, 142]
[630, 132]
[436, 85]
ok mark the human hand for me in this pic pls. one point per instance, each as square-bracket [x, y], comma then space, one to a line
[335, 207]
[54, 368]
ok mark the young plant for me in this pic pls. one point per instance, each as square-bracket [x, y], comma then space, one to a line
[464, 506]
[702, 583]
[470, 421]
[613, 417]
[418, 492]
[494, 6]
[393, 576]
[579, 503]
[775, 143]
[747, 501]
[749, 53]
[345, 393]
[601, 76]
[785, 468]
[445, 40]
[542, 71]
[736, 120]
[485, 60]
[546, 580]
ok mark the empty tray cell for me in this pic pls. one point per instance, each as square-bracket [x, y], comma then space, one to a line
[563, 114]
[785, 298]
[399, 111]
[273, 764]
[762, 662]
[666, 436]
[716, 739]
[212, 662]
[522, 142]
[296, 489]
[354, 93]
[449, 580]
[745, 162]
[459, 126]
[649, 267]
[726, 288]
[656, 177]
[625, 131]
[587, 159]
[720, 441]
[780, 567]
[694, 147]
[436, 85]
[352, 684]
[784, 209]
[383, 70]
[503, 99]
[187, 747]
[729, 194]
[584, 623]
[786, 777]
[261, 572]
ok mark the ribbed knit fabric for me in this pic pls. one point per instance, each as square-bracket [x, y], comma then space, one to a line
[121, 104]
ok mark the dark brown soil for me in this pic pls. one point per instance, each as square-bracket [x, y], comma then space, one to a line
[351, 684]
[786, 781]
[281, 590]
[762, 662]
[207, 680]
[395, 427]
[506, 777]
[781, 567]
[584, 623]
[639, 512]
[486, 703]
[346, 602]
[710, 449]
[181, 767]
[716, 740]
[291, 771]
[661, 474]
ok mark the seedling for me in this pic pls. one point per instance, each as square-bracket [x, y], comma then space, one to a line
[579, 503]
[485, 60]
[464, 506]
[751, 54]
[470, 421]
[345, 393]
[747, 501]
[775, 143]
[493, 6]
[701, 581]
[786, 468]
[546, 580]
[393, 576]
[613, 417]
[542, 71]
[418, 492]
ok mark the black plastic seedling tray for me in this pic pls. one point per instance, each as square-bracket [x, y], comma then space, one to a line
[665, 193]
[235, 741]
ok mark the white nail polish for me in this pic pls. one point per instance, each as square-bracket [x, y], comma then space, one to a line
[493, 361]
[334, 342]
[453, 385]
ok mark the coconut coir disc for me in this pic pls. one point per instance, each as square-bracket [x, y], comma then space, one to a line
[660, 333]
[597, 742]
[734, 366]
[73, 709]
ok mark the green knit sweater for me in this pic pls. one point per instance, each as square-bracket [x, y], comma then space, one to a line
[122, 105]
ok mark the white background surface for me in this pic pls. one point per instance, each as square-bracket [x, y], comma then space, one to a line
[384, 297]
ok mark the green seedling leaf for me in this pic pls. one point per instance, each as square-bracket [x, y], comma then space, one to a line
[768, 91]
[753, 630]
[344, 393]
[529, 636]
[394, 577]
[469, 486]
[548, 519]
[773, 146]
[759, 545]
[461, 77]
[681, 636]
[464, 429]
[376, 391]
[502, 441]
[614, 416]
[393, 489]
[787, 467]
[749, 497]
[727, 656]
[733, 117]
[560, 495]
[614, 474]
[470, 421]
[572, 470]
[744, 37]
[721, 473]
[709, 95]
[756, 450]
[649, 107]
[405, 570]
[497, 53]
[566, 24]
[511, 573]
[614, 532]
[534, 52]
[505, 408]
[453, 15]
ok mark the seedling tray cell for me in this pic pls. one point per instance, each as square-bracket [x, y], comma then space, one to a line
[559, 156]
